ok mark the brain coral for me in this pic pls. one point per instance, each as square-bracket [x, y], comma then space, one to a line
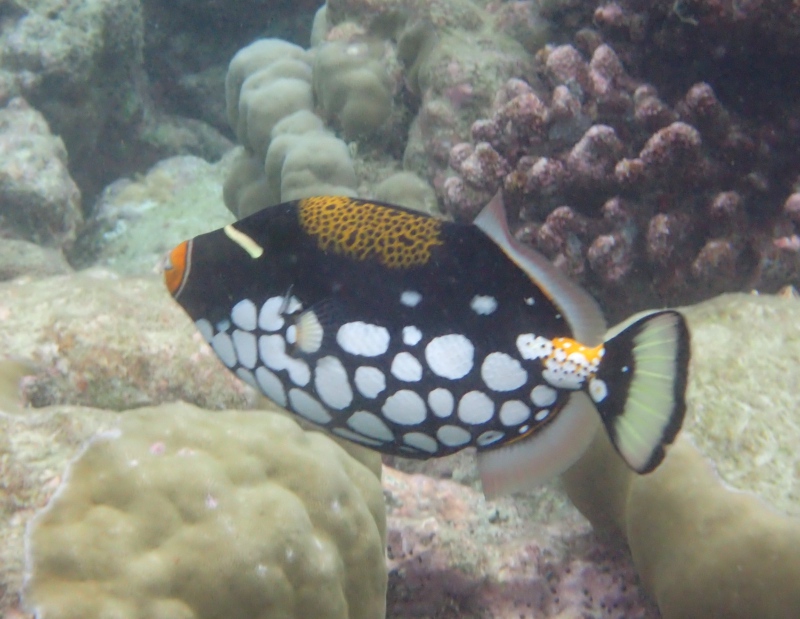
[185, 513]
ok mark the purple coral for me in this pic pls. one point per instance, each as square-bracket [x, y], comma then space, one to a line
[693, 177]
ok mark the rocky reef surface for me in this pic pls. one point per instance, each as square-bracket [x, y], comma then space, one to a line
[648, 148]
[95, 345]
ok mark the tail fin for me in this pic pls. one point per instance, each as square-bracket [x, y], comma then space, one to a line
[640, 385]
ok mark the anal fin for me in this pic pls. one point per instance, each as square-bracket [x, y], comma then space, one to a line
[527, 463]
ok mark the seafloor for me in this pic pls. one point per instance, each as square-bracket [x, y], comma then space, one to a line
[650, 149]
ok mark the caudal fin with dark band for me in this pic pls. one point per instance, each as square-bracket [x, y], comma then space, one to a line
[644, 369]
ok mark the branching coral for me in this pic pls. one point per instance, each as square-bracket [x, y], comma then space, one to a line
[673, 202]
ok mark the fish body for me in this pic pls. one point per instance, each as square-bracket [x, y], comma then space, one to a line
[420, 337]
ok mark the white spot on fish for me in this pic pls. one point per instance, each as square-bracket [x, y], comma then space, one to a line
[453, 436]
[532, 347]
[475, 407]
[421, 441]
[271, 386]
[502, 372]
[441, 402]
[205, 329]
[269, 318]
[291, 335]
[542, 395]
[306, 406]
[483, 305]
[370, 425]
[598, 389]
[332, 384]
[223, 346]
[364, 339]
[404, 407]
[411, 336]
[450, 356]
[244, 315]
[369, 381]
[541, 415]
[405, 367]
[561, 375]
[514, 412]
[246, 349]
[529, 301]
[272, 350]
[410, 298]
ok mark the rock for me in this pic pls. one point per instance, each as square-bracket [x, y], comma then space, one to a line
[98, 340]
[137, 221]
[39, 201]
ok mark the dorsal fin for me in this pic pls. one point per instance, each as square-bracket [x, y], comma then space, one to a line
[581, 310]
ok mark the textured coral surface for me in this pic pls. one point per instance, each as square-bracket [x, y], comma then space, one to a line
[650, 148]
[451, 553]
[185, 513]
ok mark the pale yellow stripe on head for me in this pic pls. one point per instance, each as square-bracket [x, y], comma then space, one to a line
[245, 242]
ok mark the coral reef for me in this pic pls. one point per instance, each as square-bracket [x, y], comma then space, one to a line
[741, 417]
[650, 150]
[136, 221]
[728, 27]
[81, 65]
[22, 258]
[624, 190]
[39, 202]
[182, 513]
[98, 340]
[108, 75]
[287, 151]
[715, 530]
[701, 549]
[452, 554]
[284, 104]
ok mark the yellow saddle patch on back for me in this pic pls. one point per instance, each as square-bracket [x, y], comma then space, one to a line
[367, 231]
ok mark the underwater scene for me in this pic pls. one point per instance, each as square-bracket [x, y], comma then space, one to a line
[366, 309]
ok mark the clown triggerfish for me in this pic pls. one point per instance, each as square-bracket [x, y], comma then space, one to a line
[420, 337]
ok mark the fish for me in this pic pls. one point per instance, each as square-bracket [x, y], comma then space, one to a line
[420, 337]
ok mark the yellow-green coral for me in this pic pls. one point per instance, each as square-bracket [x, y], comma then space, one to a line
[351, 85]
[287, 153]
[188, 513]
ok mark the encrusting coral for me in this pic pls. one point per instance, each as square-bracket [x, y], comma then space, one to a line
[270, 101]
[721, 539]
[700, 548]
[184, 513]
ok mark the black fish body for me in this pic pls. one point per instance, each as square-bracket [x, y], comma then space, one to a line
[420, 337]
